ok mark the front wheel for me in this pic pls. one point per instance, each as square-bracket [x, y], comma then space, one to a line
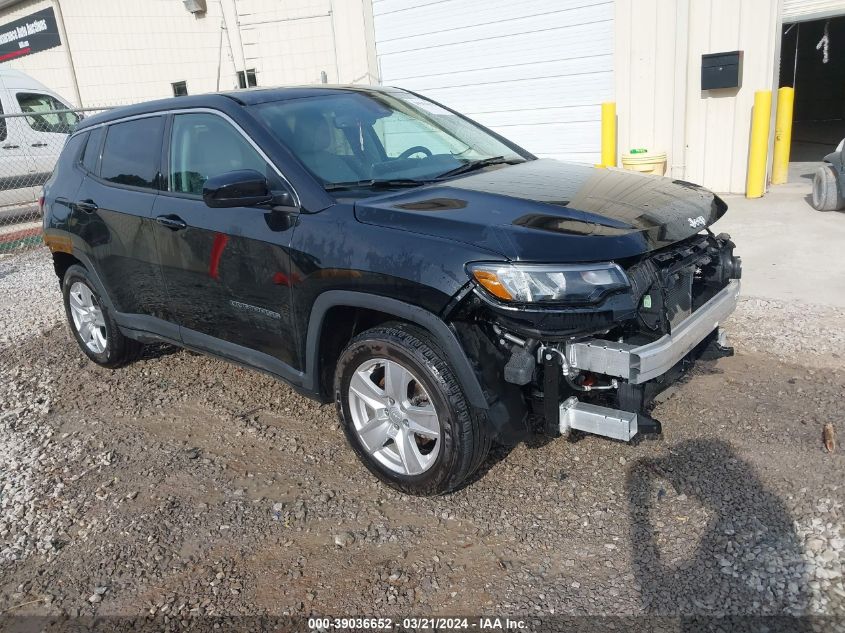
[404, 413]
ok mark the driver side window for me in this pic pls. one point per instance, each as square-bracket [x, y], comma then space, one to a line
[204, 145]
[400, 132]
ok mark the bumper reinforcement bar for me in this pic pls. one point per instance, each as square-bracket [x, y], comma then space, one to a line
[614, 423]
[639, 364]
[591, 418]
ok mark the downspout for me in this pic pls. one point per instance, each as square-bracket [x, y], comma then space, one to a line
[233, 35]
[240, 39]
[373, 63]
[334, 42]
[60, 20]
[220, 54]
[776, 49]
[679, 110]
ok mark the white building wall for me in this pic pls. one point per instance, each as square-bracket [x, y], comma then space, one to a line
[126, 51]
[658, 82]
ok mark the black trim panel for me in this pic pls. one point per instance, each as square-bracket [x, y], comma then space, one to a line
[95, 277]
[147, 329]
[140, 324]
[243, 355]
[431, 322]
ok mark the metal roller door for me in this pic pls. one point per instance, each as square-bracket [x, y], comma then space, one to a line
[535, 71]
[801, 10]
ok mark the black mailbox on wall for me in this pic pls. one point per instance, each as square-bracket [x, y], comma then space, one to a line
[721, 70]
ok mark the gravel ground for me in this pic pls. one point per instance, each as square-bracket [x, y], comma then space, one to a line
[181, 485]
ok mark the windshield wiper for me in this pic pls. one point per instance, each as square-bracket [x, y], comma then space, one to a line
[375, 184]
[475, 165]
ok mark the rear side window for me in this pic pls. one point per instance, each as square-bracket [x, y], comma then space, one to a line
[132, 151]
[92, 150]
[70, 153]
[47, 115]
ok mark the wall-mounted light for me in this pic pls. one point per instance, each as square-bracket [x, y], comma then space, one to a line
[195, 6]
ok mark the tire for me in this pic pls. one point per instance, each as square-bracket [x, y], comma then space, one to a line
[438, 465]
[826, 192]
[91, 323]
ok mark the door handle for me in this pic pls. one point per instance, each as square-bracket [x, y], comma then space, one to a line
[11, 147]
[173, 222]
[88, 206]
[39, 145]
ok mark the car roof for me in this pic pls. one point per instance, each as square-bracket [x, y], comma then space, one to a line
[251, 96]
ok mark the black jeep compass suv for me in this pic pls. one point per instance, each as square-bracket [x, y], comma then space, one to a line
[368, 246]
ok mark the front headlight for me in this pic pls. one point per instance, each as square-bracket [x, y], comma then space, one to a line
[549, 283]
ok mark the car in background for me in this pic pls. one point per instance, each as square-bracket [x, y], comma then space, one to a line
[829, 181]
[29, 145]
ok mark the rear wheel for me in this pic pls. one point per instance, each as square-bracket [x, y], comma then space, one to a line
[404, 413]
[826, 192]
[91, 323]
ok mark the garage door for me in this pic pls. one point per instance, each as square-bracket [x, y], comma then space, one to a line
[799, 10]
[535, 71]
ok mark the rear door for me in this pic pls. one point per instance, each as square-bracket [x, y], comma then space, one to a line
[227, 271]
[113, 214]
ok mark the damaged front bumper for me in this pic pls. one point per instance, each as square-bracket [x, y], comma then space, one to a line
[638, 364]
[596, 368]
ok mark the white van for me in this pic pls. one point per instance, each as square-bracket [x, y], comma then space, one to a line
[29, 145]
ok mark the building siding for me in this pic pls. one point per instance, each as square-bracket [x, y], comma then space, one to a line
[126, 51]
[658, 69]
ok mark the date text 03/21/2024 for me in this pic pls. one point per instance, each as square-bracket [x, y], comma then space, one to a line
[423, 623]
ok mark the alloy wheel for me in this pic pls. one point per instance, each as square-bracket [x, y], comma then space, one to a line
[394, 417]
[87, 317]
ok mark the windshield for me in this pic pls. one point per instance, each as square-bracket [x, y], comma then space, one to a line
[356, 139]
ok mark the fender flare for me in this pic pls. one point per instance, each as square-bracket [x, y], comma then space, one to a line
[415, 314]
[88, 265]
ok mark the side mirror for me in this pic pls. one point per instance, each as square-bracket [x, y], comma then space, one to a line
[282, 199]
[241, 188]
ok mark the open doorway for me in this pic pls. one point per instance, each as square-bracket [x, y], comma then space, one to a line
[813, 62]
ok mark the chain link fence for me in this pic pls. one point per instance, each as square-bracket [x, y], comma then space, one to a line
[30, 144]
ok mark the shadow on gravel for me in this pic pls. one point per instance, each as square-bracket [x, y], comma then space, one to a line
[152, 351]
[744, 560]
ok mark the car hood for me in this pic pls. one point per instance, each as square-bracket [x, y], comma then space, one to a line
[546, 211]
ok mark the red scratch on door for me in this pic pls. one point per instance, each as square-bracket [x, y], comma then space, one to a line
[220, 240]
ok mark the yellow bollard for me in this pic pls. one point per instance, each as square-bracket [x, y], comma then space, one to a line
[783, 136]
[755, 183]
[608, 134]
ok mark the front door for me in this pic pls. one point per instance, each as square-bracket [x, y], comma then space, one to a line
[227, 271]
